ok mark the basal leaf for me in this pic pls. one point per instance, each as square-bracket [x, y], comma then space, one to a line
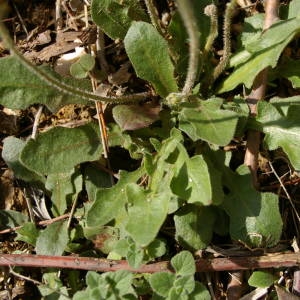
[281, 131]
[254, 217]
[148, 52]
[53, 240]
[19, 88]
[207, 121]
[194, 226]
[59, 149]
[109, 202]
[12, 147]
[147, 211]
[114, 17]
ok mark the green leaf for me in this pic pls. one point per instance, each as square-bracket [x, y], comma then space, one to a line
[59, 149]
[53, 240]
[281, 131]
[196, 183]
[262, 53]
[184, 285]
[200, 292]
[162, 282]
[254, 217]
[119, 283]
[156, 249]
[206, 120]
[12, 147]
[28, 233]
[83, 66]
[19, 88]
[262, 279]
[94, 180]
[194, 226]
[109, 202]
[11, 218]
[289, 69]
[183, 263]
[148, 53]
[146, 213]
[114, 17]
[64, 187]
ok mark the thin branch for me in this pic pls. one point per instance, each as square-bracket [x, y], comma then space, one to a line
[41, 223]
[275, 260]
[285, 191]
[185, 9]
[257, 94]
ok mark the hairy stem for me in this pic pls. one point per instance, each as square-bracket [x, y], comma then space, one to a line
[153, 16]
[186, 11]
[230, 8]
[59, 85]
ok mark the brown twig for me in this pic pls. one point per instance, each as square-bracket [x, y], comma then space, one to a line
[257, 94]
[41, 223]
[275, 260]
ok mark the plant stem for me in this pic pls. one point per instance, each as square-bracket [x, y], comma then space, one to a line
[59, 85]
[153, 16]
[230, 7]
[186, 11]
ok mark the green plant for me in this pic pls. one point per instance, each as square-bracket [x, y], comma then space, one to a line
[184, 175]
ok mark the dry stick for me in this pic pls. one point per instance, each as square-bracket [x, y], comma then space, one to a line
[42, 223]
[257, 94]
[186, 11]
[275, 260]
[59, 85]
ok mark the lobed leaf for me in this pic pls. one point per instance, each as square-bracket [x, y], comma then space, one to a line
[184, 264]
[281, 131]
